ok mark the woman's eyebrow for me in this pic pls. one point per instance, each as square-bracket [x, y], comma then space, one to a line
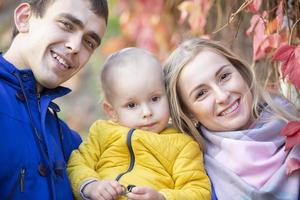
[216, 74]
[193, 90]
[220, 69]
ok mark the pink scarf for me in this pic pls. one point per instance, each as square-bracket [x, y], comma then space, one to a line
[252, 163]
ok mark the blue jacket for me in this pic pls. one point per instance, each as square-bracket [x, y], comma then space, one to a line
[34, 143]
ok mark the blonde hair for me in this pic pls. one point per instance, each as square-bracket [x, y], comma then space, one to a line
[126, 57]
[184, 54]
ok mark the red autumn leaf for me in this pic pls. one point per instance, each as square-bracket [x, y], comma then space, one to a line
[253, 22]
[295, 72]
[293, 165]
[185, 8]
[113, 44]
[264, 43]
[152, 6]
[279, 13]
[195, 12]
[290, 128]
[292, 133]
[290, 56]
[146, 38]
[269, 43]
[283, 53]
[257, 27]
[254, 6]
[275, 25]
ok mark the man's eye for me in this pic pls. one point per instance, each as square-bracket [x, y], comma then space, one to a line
[155, 99]
[90, 44]
[66, 25]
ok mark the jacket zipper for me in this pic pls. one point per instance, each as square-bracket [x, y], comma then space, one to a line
[19, 182]
[22, 181]
[39, 101]
[132, 157]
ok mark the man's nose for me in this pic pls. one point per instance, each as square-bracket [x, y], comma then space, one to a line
[74, 44]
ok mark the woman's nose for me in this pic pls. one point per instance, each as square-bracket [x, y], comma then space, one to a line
[221, 95]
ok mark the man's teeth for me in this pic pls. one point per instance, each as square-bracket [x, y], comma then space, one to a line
[229, 110]
[61, 60]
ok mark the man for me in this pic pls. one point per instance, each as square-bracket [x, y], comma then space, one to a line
[53, 40]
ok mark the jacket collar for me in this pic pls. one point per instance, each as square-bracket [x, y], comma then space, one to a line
[7, 71]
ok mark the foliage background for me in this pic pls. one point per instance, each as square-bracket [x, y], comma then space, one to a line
[254, 29]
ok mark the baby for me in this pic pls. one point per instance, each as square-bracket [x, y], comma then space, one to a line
[135, 155]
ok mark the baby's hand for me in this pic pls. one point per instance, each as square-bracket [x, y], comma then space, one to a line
[144, 193]
[103, 190]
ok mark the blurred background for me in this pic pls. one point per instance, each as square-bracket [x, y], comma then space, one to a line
[254, 29]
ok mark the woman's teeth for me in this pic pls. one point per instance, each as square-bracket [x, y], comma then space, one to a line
[231, 109]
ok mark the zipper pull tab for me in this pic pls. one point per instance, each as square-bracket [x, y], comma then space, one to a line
[38, 95]
[22, 179]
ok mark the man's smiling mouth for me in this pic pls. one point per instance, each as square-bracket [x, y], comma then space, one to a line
[60, 60]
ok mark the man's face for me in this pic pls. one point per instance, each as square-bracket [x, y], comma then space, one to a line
[61, 42]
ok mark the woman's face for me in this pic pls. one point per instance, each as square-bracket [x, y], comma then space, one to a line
[215, 93]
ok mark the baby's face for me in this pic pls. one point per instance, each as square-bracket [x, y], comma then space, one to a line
[139, 99]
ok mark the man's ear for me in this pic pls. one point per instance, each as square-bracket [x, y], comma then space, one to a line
[109, 110]
[22, 15]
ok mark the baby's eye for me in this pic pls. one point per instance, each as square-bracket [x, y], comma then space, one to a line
[131, 105]
[155, 99]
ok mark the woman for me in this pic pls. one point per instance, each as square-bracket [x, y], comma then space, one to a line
[212, 92]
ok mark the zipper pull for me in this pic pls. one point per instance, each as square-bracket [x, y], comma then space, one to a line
[38, 95]
[22, 179]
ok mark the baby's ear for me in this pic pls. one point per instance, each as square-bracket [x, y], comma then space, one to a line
[109, 110]
[22, 15]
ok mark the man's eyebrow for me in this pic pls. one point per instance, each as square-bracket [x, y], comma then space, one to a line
[73, 19]
[80, 24]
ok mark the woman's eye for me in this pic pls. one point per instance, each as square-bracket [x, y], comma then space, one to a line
[224, 76]
[200, 94]
[155, 99]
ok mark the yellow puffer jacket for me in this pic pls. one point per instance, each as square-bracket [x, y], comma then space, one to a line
[169, 162]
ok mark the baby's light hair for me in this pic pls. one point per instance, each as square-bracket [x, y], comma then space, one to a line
[127, 57]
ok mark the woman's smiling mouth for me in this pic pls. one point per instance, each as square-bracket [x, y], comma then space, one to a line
[230, 109]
